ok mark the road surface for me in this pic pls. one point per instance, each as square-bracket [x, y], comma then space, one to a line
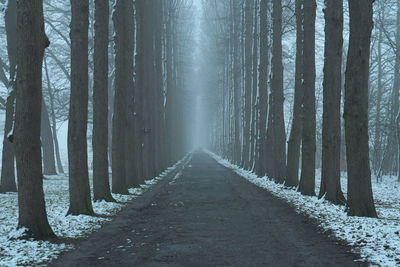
[208, 216]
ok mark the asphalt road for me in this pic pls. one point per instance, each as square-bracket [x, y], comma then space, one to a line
[208, 216]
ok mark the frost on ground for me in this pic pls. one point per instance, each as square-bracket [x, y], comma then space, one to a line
[15, 252]
[376, 240]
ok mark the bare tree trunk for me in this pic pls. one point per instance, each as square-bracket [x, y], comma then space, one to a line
[32, 42]
[331, 128]
[49, 163]
[248, 14]
[254, 105]
[307, 177]
[269, 141]
[263, 88]
[294, 143]
[279, 133]
[7, 168]
[377, 149]
[391, 160]
[79, 190]
[132, 179]
[119, 183]
[101, 184]
[360, 200]
[53, 119]
[236, 82]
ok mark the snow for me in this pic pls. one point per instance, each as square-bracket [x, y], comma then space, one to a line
[375, 240]
[15, 252]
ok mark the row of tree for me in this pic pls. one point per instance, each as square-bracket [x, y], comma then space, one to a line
[147, 92]
[250, 99]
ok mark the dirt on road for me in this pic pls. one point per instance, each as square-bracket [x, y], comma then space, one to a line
[208, 216]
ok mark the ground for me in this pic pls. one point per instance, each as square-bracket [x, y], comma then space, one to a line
[207, 215]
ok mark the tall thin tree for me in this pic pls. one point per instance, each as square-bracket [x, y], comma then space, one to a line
[8, 158]
[263, 88]
[294, 143]
[360, 199]
[279, 143]
[101, 184]
[330, 171]
[79, 190]
[32, 42]
[119, 183]
[307, 177]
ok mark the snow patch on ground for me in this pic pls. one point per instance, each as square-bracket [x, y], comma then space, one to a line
[15, 252]
[376, 240]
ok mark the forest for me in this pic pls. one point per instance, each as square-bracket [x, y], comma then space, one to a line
[140, 132]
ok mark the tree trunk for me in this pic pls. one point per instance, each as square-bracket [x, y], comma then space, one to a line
[79, 190]
[7, 168]
[263, 88]
[331, 133]
[53, 119]
[101, 184]
[360, 200]
[294, 143]
[119, 183]
[377, 148]
[307, 177]
[132, 178]
[279, 133]
[248, 14]
[49, 163]
[32, 42]
[269, 141]
[254, 105]
[236, 82]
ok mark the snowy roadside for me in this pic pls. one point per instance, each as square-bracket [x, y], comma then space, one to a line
[376, 240]
[29, 252]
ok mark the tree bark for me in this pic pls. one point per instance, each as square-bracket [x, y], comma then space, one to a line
[79, 190]
[119, 182]
[294, 143]
[263, 88]
[49, 163]
[101, 184]
[279, 133]
[53, 119]
[360, 200]
[331, 128]
[377, 148]
[32, 42]
[254, 96]
[307, 177]
[8, 167]
[248, 34]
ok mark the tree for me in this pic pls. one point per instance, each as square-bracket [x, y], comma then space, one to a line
[101, 184]
[279, 145]
[330, 172]
[8, 164]
[248, 14]
[49, 163]
[294, 143]
[122, 46]
[307, 177]
[53, 118]
[263, 88]
[32, 41]
[360, 199]
[79, 190]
